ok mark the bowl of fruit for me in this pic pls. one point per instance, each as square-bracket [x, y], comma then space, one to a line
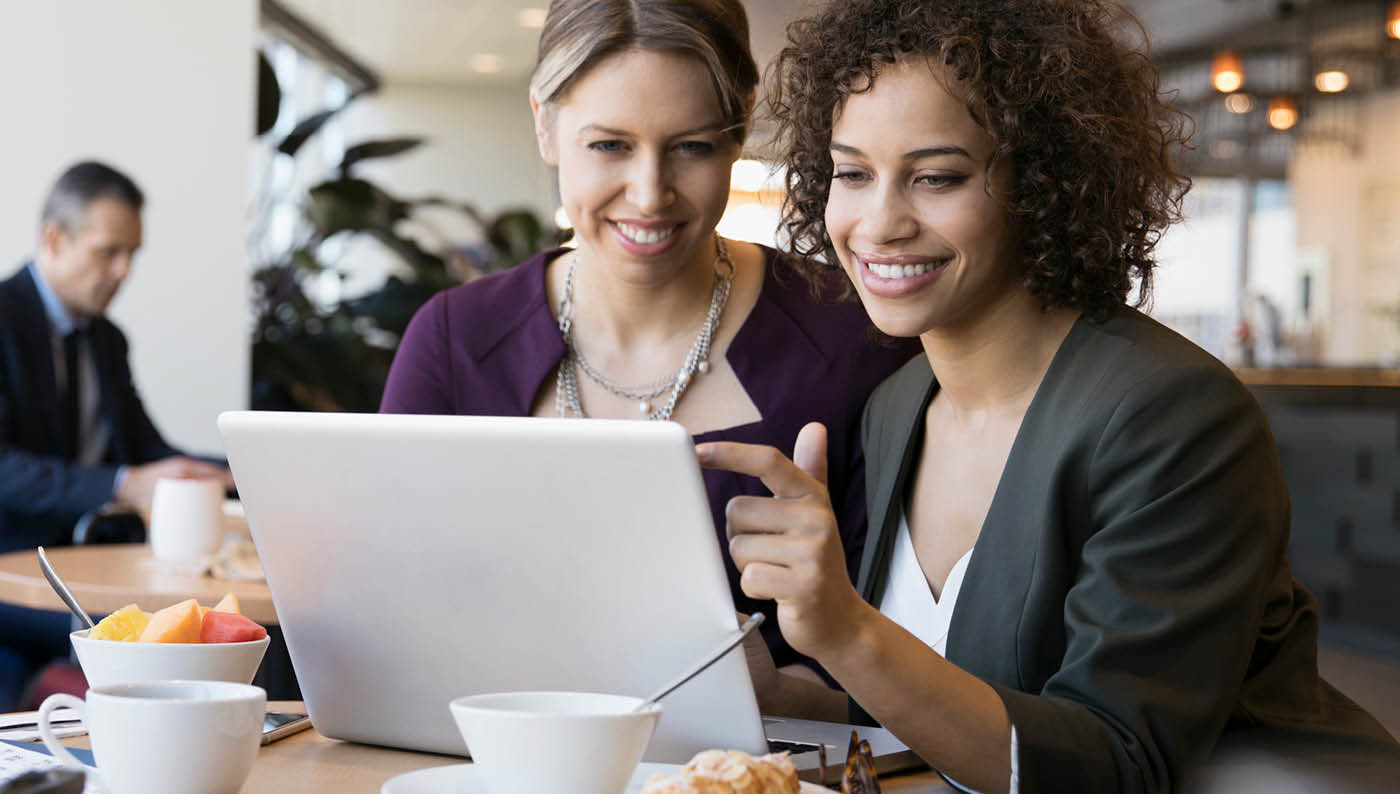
[184, 641]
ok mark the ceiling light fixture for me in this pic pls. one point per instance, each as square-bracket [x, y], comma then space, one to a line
[532, 18]
[1239, 104]
[1392, 21]
[1283, 113]
[1227, 71]
[1332, 81]
[487, 63]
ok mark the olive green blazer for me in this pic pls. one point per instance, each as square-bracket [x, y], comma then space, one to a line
[1129, 596]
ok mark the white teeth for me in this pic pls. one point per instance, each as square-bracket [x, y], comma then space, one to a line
[900, 271]
[645, 236]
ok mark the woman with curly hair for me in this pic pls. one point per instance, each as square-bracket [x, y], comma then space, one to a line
[1076, 576]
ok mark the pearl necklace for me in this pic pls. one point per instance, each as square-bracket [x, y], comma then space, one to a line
[566, 397]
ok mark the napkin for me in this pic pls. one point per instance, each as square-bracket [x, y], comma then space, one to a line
[17, 758]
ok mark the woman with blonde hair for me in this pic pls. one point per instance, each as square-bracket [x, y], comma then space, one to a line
[643, 108]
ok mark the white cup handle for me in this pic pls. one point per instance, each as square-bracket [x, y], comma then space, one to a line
[55, 701]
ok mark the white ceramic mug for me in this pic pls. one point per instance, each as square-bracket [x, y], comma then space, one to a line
[166, 737]
[187, 519]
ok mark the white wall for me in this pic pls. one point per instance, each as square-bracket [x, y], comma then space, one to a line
[479, 148]
[1348, 215]
[163, 91]
[480, 144]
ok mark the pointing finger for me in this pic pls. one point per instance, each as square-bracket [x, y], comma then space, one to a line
[780, 475]
[809, 453]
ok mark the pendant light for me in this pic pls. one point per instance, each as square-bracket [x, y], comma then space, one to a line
[1332, 81]
[1227, 71]
[1239, 103]
[1283, 113]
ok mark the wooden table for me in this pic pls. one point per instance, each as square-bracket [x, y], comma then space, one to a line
[309, 763]
[1318, 376]
[105, 578]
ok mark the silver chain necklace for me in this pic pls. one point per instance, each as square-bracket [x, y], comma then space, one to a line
[566, 396]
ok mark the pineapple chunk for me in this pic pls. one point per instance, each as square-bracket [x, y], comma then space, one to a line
[178, 623]
[124, 625]
[229, 603]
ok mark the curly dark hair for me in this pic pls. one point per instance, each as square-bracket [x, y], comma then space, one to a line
[1077, 112]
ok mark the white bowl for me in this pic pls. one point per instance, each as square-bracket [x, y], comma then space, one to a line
[552, 742]
[107, 662]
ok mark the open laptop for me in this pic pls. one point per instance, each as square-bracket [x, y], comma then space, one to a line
[416, 559]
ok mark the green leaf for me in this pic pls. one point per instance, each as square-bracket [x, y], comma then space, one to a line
[269, 97]
[303, 131]
[387, 147]
[352, 205]
[516, 235]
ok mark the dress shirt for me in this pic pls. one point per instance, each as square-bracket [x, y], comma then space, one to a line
[93, 434]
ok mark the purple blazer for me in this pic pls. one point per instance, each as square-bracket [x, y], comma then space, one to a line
[489, 347]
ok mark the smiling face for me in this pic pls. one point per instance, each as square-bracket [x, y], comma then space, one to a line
[913, 212]
[87, 266]
[643, 163]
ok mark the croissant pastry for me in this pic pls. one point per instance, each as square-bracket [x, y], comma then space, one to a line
[729, 772]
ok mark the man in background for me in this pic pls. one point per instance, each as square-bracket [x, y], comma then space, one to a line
[74, 436]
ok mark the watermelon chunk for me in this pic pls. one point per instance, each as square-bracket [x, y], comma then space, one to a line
[229, 627]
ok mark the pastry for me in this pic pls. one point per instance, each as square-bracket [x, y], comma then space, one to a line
[729, 772]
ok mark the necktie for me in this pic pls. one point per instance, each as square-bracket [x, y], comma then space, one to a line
[72, 431]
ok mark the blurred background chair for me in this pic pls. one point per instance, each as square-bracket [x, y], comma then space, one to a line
[109, 525]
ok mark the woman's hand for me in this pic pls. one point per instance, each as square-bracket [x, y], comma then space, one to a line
[788, 547]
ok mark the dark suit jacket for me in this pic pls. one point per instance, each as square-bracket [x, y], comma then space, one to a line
[1129, 597]
[41, 494]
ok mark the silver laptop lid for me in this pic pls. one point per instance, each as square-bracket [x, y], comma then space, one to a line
[415, 559]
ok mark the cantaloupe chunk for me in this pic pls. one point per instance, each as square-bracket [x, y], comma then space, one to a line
[229, 603]
[229, 627]
[124, 625]
[178, 623]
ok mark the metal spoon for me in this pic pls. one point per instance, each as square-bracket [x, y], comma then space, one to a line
[62, 589]
[704, 664]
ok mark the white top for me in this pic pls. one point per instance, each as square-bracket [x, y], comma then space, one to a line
[909, 601]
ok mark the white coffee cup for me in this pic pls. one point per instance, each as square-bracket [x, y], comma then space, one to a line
[166, 737]
[551, 742]
[187, 519]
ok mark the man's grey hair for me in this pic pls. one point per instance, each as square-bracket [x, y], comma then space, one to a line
[82, 184]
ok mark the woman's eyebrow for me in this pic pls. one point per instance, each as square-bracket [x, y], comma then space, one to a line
[600, 129]
[928, 151]
[716, 126]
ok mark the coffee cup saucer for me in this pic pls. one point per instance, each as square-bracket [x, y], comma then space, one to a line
[466, 779]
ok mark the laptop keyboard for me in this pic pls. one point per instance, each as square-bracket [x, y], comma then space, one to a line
[796, 748]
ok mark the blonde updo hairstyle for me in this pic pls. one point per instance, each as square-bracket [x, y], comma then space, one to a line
[579, 34]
